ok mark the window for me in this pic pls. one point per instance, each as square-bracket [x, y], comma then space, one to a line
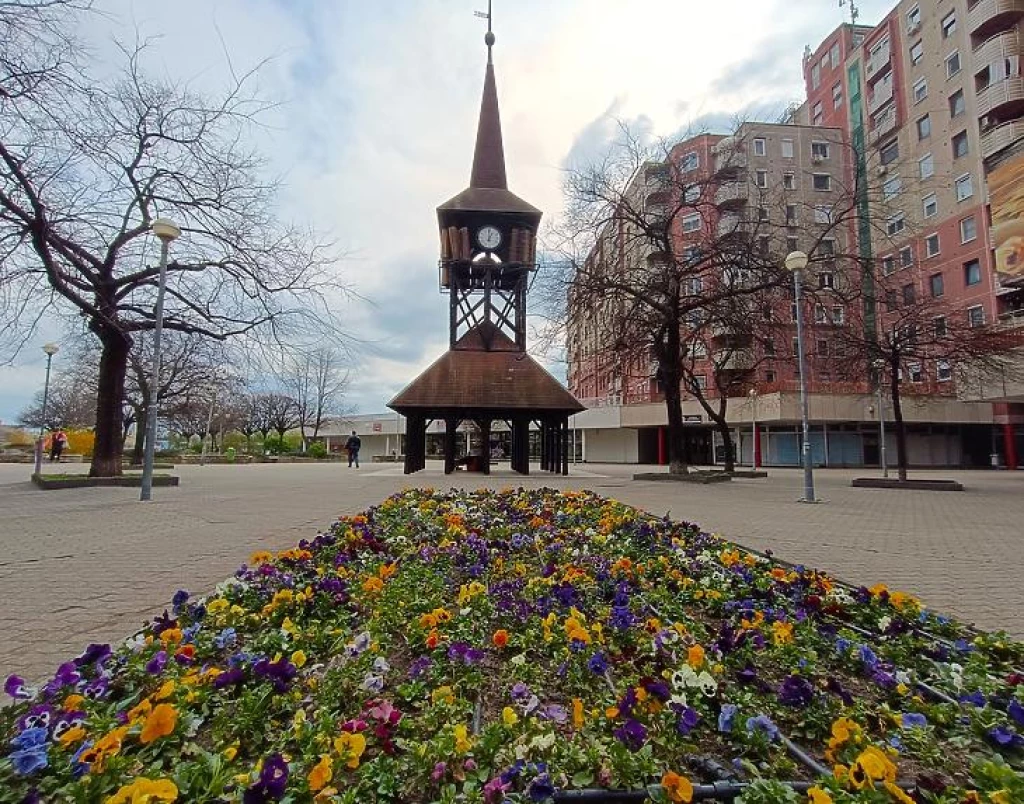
[916, 53]
[837, 95]
[968, 230]
[943, 371]
[976, 316]
[822, 181]
[895, 224]
[817, 113]
[908, 294]
[822, 213]
[952, 64]
[764, 244]
[761, 178]
[838, 315]
[935, 285]
[690, 162]
[956, 103]
[858, 38]
[789, 181]
[700, 382]
[691, 223]
[787, 149]
[833, 54]
[931, 245]
[890, 152]
[949, 25]
[927, 166]
[920, 90]
[820, 316]
[815, 76]
[822, 347]
[891, 187]
[924, 127]
[691, 193]
[972, 273]
[760, 146]
[790, 214]
[888, 265]
[769, 376]
[913, 18]
[791, 245]
[792, 313]
[931, 205]
[762, 213]
[906, 256]
[964, 187]
[916, 375]
[890, 301]
[819, 150]
[769, 346]
[939, 326]
[826, 280]
[959, 142]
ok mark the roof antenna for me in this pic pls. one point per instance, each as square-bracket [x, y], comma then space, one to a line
[489, 36]
[854, 11]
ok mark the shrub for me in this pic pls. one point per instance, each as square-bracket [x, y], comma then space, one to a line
[317, 450]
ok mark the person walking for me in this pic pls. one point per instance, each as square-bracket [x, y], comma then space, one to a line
[352, 445]
[58, 443]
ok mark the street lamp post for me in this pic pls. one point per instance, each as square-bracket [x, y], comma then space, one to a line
[879, 366]
[167, 232]
[752, 394]
[51, 349]
[796, 262]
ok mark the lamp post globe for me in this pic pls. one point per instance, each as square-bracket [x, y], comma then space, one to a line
[796, 261]
[167, 231]
[51, 349]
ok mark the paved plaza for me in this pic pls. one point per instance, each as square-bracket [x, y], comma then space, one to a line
[91, 565]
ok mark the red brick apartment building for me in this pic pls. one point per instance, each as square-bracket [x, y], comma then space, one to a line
[926, 108]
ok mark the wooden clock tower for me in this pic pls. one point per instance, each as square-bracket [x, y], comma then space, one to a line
[488, 252]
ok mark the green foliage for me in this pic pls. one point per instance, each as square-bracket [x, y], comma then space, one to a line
[317, 450]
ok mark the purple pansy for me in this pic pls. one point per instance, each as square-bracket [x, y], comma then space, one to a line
[726, 717]
[16, 687]
[155, 666]
[910, 720]
[632, 734]
[796, 691]
[1016, 711]
[764, 724]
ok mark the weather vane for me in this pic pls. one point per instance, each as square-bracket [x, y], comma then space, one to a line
[489, 36]
[854, 12]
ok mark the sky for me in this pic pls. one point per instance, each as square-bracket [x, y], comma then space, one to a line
[377, 108]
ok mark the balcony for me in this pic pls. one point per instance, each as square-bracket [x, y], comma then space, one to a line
[1006, 93]
[737, 360]
[990, 16]
[732, 195]
[996, 139]
[1007, 43]
[883, 127]
[879, 62]
[881, 96]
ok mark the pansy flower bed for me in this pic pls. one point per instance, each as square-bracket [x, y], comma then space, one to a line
[521, 646]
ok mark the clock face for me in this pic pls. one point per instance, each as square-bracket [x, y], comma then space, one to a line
[488, 237]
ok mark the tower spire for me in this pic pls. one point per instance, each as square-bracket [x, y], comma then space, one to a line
[489, 155]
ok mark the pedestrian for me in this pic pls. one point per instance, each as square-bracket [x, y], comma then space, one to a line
[352, 445]
[58, 443]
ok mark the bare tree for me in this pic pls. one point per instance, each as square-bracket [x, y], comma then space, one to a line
[317, 383]
[654, 256]
[83, 174]
[71, 402]
[190, 372]
[923, 342]
[282, 412]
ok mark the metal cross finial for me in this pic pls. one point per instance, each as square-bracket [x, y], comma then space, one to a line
[486, 16]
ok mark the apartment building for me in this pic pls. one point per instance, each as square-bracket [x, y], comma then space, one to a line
[927, 110]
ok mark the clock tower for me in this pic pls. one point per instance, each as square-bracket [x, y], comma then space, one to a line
[486, 378]
[488, 240]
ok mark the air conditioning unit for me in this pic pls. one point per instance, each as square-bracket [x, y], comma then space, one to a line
[882, 170]
[817, 159]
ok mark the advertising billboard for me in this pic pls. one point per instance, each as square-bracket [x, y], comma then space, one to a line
[1006, 196]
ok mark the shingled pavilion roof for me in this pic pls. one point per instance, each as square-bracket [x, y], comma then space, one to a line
[503, 379]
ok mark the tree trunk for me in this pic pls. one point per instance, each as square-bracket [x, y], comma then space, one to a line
[106, 456]
[142, 420]
[727, 444]
[668, 366]
[897, 416]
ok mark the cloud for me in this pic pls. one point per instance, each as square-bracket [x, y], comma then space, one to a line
[378, 105]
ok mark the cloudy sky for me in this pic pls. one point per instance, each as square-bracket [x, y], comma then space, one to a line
[378, 114]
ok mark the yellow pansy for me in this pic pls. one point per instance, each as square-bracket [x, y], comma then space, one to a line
[321, 774]
[509, 716]
[145, 791]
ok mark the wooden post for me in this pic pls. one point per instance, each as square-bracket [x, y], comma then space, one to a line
[565, 446]
[450, 426]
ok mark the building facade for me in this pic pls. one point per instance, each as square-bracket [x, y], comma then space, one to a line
[905, 155]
